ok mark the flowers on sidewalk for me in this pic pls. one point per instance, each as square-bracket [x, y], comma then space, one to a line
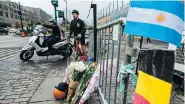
[69, 72]
[74, 73]
[79, 68]
[84, 82]
[79, 78]
[93, 85]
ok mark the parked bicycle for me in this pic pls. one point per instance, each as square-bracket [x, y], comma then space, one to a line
[79, 53]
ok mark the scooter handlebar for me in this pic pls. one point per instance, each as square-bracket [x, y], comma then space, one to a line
[68, 39]
[42, 31]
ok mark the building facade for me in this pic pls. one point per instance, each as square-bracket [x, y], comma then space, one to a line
[42, 16]
[9, 14]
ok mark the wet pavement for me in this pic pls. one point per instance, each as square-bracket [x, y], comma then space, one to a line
[11, 41]
[20, 80]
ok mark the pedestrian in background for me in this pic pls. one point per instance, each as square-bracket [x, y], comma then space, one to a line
[148, 40]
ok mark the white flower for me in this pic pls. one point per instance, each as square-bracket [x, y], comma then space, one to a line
[78, 66]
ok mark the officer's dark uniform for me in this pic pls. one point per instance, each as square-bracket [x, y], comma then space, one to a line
[78, 27]
[54, 37]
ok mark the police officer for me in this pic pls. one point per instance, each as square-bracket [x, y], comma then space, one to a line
[55, 37]
[77, 27]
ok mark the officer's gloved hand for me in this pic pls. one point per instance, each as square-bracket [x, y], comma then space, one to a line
[79, 35]
[68, 38]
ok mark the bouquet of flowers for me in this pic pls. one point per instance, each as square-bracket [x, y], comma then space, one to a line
[80, 66]
[93, 86]
[84, 82]
[74, 73]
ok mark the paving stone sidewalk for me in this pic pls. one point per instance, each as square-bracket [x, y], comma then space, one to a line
[20, 80]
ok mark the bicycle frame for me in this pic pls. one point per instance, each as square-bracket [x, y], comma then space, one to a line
[78, 51]
[76, 48]
[76, 45]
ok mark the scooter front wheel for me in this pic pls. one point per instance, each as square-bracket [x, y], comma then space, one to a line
[26, 55]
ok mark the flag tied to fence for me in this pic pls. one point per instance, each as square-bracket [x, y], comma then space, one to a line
[162, 20]
[155, 77]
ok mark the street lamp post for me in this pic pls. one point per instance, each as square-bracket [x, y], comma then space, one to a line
[20, 13]
[55, 4]
[55, 9]
[66, 14]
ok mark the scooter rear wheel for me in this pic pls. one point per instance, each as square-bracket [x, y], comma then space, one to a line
[26, 55]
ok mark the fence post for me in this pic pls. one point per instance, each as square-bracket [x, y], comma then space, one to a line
[127, 60]
[95, 28]
[120, 32]
[137, 66]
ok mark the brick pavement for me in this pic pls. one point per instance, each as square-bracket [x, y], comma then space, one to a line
[8, 52]
[20, 80]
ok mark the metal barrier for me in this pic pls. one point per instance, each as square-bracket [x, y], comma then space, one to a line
[110, 50]
[116, 9]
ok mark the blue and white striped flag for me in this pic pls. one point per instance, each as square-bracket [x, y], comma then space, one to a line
[162, 20]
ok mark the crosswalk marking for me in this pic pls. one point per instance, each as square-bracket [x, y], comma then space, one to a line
[4, 51]
[7, 53]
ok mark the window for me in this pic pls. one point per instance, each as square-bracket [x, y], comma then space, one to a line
[11, 15]
[1, 13]
[14, 6]
[11, 10]
[6, 14]
[15, 11]
[5, 7]
[10, 4]
[15, 16]
[0, 6]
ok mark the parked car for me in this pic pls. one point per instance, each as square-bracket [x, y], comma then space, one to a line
[4, 30]
[12, 30]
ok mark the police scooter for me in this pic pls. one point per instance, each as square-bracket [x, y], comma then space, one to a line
[37, 43]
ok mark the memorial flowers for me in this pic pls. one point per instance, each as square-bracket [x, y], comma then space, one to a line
[74, 74]
[84, 82]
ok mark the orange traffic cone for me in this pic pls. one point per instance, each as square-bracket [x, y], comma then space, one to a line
[22, 34]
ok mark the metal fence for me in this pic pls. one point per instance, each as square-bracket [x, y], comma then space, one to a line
[110, 53]
[116, 9]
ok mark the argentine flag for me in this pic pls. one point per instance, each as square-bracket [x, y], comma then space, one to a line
[162, 20]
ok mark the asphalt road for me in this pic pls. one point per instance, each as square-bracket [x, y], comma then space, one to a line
[11, 41]
[11, 45]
